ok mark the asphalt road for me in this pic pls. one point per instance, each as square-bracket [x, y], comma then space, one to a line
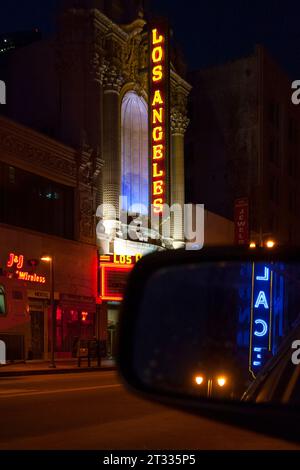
[94, 411]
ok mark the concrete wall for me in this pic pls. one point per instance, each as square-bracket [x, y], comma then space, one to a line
[217, 230]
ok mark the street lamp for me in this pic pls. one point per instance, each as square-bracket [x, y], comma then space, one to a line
[270, 244]
[264, 242]
[49, 259]
[199, 380]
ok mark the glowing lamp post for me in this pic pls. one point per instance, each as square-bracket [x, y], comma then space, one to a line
[49, 259]
[270, 244]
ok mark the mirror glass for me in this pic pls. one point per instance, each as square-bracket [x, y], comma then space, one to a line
[224, 330]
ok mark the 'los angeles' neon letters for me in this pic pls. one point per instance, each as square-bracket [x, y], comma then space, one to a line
[158, 120]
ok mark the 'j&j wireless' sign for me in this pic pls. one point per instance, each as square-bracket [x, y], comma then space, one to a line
[261, 317]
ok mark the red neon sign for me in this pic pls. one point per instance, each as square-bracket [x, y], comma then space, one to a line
[241, 221]
[84, 316]
[113, 281]
[17, 262]
[25, 276]
[159, 115]
[113, 271]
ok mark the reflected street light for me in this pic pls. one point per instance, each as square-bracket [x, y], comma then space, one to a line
[49, 259]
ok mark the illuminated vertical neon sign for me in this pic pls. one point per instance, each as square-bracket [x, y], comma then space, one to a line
[159, 79]
[261, 316]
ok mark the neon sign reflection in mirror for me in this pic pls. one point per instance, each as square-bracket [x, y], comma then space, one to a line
[261, 317]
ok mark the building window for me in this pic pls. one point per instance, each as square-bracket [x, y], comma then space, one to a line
[292, 132]
[30, 201]
[293, 202]
[135, 162]
[292, 165]
[290, 234]
[274, 114]
[2, 301]
[274, 151]
[11, 175]
[17, 295]
[274, 190]
[272, 223]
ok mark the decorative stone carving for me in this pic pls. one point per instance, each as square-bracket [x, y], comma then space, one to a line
[131, 59]
[179, 122]
[95, 44]
[90, 169]
[114, 46]
[86, 215]
[113, 80]
[90, 163]
[97, 65]
[86, 204]
[20, 149]
[144, 50]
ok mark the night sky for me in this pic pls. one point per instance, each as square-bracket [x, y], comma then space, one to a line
[210, 32]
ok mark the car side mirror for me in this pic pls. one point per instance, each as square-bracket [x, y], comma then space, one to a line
[212, 332]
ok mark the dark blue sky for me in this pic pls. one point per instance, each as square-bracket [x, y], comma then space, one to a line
[209, 31]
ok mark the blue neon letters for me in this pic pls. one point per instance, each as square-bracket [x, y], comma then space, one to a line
[260, 317]
[264, 326]
[261, 300]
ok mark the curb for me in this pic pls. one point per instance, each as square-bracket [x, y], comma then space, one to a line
[24, 373]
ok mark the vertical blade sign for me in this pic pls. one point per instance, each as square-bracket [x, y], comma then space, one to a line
[159, 116]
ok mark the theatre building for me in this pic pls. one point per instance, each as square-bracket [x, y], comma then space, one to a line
[100, 112]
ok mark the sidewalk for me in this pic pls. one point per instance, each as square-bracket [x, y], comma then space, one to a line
[63, 366]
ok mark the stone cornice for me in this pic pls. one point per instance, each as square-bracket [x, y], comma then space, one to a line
[136, 27]
[108, 26]
[179, 82]
[35, 152]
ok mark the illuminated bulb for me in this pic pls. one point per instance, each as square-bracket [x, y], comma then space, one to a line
[252, 245]
[221, 381]
[199, 380]
[270, 244]
[47, 259]
[84, 316]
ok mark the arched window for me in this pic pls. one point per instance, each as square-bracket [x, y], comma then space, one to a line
[135, 169]
[2, 301]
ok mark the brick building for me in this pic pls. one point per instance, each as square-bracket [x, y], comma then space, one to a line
[244, 142]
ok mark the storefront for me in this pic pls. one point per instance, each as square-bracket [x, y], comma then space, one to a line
[75, 318]
[113, 271]
[25, 303]
[14, 318]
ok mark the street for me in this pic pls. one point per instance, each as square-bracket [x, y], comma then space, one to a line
[94, 411]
